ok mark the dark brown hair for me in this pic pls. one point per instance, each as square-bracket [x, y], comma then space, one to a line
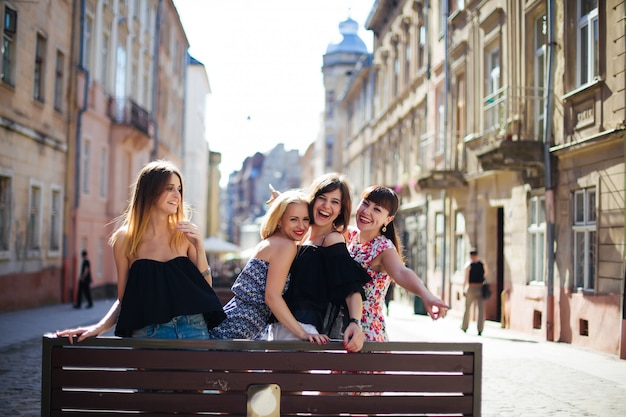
[387, 198]
[331, 182]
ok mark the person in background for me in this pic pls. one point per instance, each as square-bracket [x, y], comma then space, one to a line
[163, 276]
[323, 274]
[258, 290]
[84, 282]
[389, 296]
[375, 246]
[475, 273]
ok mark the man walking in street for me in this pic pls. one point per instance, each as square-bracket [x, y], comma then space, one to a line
[475, 273]
[84, 282]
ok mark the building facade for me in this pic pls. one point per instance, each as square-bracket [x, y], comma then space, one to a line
[248, 189]
[339, 62]
[502, 126]
[91, 91]
[131, 59]
[196, 163]
[34, 115]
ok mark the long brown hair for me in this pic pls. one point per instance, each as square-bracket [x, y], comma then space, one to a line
[327, 183]
[387, 198]
[151, 182]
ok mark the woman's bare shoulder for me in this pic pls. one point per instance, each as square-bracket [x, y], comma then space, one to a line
[275, 246]
[334, 237]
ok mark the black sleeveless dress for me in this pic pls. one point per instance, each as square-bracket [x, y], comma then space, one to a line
[321, 277]
[156, 292]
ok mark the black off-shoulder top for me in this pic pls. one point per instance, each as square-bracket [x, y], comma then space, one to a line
[321, 276]
[156, 292]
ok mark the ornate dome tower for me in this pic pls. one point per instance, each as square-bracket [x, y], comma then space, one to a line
[340, 61]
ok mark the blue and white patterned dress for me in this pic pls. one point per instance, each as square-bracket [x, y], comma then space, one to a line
[247, 315]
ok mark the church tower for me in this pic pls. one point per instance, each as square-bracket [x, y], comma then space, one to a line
[340, 61]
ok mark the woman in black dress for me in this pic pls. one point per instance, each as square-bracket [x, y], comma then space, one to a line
[164, 279]
[324, 279]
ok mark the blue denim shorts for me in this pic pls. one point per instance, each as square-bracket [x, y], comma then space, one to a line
[180, 327]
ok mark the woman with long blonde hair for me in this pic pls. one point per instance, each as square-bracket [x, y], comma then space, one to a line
[163, 276]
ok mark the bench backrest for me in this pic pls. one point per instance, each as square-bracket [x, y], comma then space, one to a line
[162, 377]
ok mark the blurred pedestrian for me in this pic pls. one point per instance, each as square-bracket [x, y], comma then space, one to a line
[475, 273]
[389, 296]
[84, 282]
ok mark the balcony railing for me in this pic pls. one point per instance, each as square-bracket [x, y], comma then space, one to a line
[512, 137]
[513, 113]
[442, 161]
[125, 111]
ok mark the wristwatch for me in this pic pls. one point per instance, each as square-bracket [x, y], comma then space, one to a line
[353, 320]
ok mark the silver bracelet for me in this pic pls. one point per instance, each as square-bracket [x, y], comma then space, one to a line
[207, 272]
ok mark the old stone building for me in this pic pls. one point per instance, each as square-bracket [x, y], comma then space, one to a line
[248, 190]
[128, 104]
[34, 116]
[91, 90]
[502, 126]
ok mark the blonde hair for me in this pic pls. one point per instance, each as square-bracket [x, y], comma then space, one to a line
[278, 208]
[151, 181]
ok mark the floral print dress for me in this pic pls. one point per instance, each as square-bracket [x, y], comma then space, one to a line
[373, 319]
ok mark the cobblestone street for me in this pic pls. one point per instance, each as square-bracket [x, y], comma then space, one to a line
[20, 376]
[521, 376]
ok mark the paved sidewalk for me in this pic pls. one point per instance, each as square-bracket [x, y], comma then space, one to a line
[25, 325]
[525, 376]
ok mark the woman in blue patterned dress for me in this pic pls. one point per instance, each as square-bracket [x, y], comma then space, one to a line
[258, 290]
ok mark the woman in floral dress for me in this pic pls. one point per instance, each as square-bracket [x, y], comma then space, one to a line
[375, 245]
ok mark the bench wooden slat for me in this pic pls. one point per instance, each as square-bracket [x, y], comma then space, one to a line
[238, 381]
[279, 361]
[177, 402]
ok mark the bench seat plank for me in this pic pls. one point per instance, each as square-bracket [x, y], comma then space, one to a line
[239, 381]
[278, 361]
[324, 404]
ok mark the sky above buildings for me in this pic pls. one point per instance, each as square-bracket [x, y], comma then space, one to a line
[263, 59]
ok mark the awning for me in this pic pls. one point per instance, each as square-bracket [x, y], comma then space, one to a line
[214, 244]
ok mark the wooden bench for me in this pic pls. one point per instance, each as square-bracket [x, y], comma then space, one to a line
[107, 376]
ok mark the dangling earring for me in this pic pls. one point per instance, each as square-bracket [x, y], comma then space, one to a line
[384, 229]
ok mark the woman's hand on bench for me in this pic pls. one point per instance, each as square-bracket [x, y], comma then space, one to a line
[82, 332]
[353, 337]
[320, 339]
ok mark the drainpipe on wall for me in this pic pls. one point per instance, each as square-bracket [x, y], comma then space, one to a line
[77, 176]
[548, 176]
[444, 196]
[427, 44]
[622, 351]
[155, 80]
